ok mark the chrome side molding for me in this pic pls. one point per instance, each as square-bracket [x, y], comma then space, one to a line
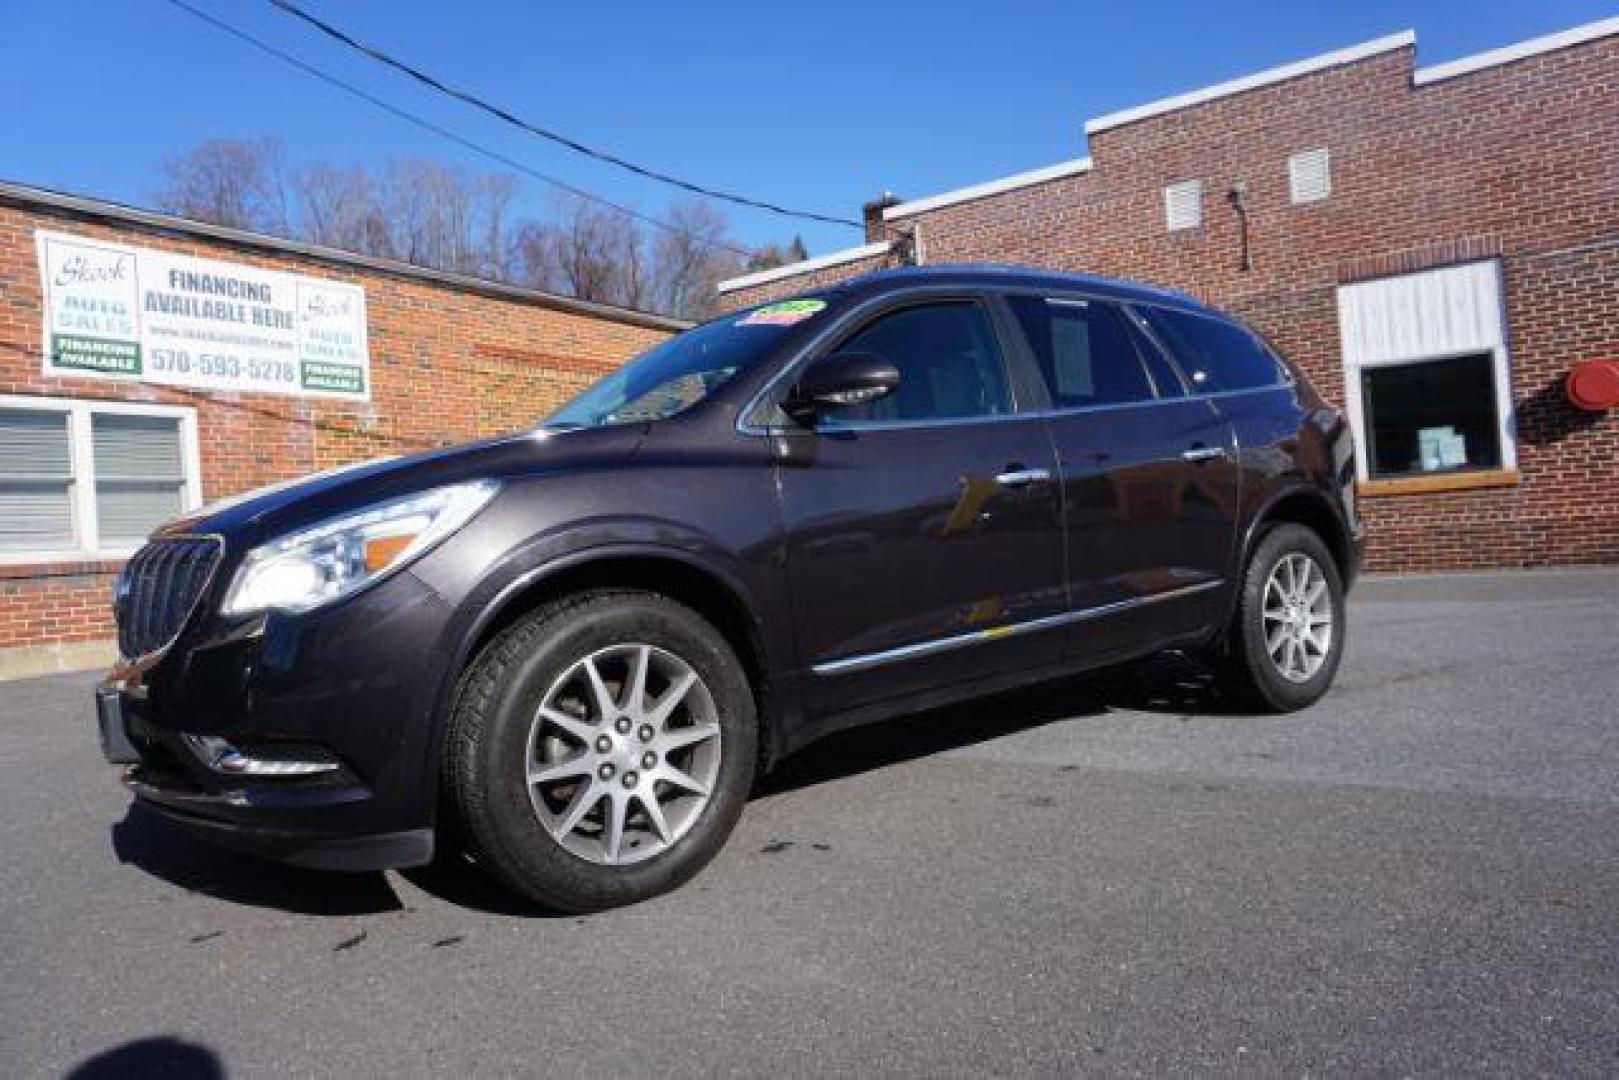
[865, 661]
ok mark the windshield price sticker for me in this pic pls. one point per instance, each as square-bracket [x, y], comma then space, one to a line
[118, 312]
[783, 313]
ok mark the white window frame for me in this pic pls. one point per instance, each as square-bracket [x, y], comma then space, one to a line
[1358, 357]
[81, 456]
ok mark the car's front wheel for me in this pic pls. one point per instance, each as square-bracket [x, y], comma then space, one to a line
[1286, 638]
[602, 749]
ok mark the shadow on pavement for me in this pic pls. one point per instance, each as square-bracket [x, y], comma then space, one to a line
[455, 880]
[159, 1056]
[1170, 684]
[166, 850]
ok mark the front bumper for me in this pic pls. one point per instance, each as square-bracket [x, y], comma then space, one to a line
[357, 685]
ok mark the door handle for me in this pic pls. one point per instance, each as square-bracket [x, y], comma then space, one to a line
[1016, 478]
[1200, 453]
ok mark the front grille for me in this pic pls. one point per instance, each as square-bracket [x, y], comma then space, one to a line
[159, 587]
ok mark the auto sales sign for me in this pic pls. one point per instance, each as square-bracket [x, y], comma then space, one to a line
[118, 312]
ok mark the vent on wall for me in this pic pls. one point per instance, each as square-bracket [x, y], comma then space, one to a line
[1183, 205]
[1309, 175]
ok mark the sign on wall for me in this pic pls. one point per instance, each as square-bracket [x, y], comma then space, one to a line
[119, 312]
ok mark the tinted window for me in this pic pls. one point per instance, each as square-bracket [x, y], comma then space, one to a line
[948, 360]
[1085, 351]
[1215, 354]
[1164, 379]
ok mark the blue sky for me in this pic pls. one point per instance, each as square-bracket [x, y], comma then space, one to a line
[821, 106]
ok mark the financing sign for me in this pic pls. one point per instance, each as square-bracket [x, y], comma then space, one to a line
[119, 312]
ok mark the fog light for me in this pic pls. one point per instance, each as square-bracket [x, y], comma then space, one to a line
[223, 757]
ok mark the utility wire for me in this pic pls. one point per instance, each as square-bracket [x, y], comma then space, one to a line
[445, 133]
[545, 133]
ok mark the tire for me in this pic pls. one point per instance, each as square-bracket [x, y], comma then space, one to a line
[1297, 675]
[537, 837]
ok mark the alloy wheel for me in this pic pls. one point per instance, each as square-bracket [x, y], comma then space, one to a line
[1297, 614]
[623, 754]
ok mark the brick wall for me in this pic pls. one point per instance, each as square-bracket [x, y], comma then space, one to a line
[447, 364]
[1519, 161]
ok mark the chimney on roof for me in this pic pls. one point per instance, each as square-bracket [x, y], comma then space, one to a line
[872, 215]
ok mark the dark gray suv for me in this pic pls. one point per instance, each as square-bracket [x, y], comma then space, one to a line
[573, 650]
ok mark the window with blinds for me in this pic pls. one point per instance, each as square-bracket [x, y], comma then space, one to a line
[36, 481]
[140, 478]
[88, 478]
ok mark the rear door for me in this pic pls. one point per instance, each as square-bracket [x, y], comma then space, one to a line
[924, 545]
[1149, 489]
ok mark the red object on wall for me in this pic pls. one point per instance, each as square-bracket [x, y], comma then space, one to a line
[1594, 385]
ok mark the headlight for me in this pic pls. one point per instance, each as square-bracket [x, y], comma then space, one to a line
[320, 564]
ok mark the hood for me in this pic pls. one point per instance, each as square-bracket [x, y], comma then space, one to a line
[266, 512]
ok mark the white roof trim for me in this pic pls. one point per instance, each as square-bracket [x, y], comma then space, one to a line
[776, 273]
[1253, 82]
[989, 187]
[1523, 49]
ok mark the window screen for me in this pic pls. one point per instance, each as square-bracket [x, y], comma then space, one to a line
[949, 365]
[140, 478]
[1216, 355]
[1085, 351]
[1433, 416]
[36, 481]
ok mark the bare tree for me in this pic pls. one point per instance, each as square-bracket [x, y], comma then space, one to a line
[497, 194]
[448, 218]
[240, 183]
[339, 207]
[691, 259]
[421, 207]
[589, 251]
[432, 214]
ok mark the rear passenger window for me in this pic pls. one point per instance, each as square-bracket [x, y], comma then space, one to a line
[1216, 355]
[1085, 351]
[949, 365]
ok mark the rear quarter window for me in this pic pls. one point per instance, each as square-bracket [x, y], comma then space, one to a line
[1217, 355]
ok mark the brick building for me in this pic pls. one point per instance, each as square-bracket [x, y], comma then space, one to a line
[1438, 247]
[166, 363]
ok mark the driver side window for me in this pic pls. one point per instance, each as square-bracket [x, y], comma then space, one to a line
[949, 365]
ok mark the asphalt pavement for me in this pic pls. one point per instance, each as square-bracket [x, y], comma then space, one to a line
[1419, 876]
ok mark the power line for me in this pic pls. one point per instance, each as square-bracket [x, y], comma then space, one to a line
[445, 133]
[545, 133]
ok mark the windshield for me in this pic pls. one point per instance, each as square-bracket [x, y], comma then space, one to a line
[677, 374]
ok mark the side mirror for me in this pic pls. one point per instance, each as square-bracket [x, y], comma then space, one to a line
[838, 381]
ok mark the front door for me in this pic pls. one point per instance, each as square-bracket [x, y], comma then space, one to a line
[924, 543]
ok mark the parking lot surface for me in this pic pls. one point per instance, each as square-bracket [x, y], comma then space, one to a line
[1420, 875]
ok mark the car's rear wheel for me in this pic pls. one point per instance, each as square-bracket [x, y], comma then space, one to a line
[602, 749]
[1286, 638]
